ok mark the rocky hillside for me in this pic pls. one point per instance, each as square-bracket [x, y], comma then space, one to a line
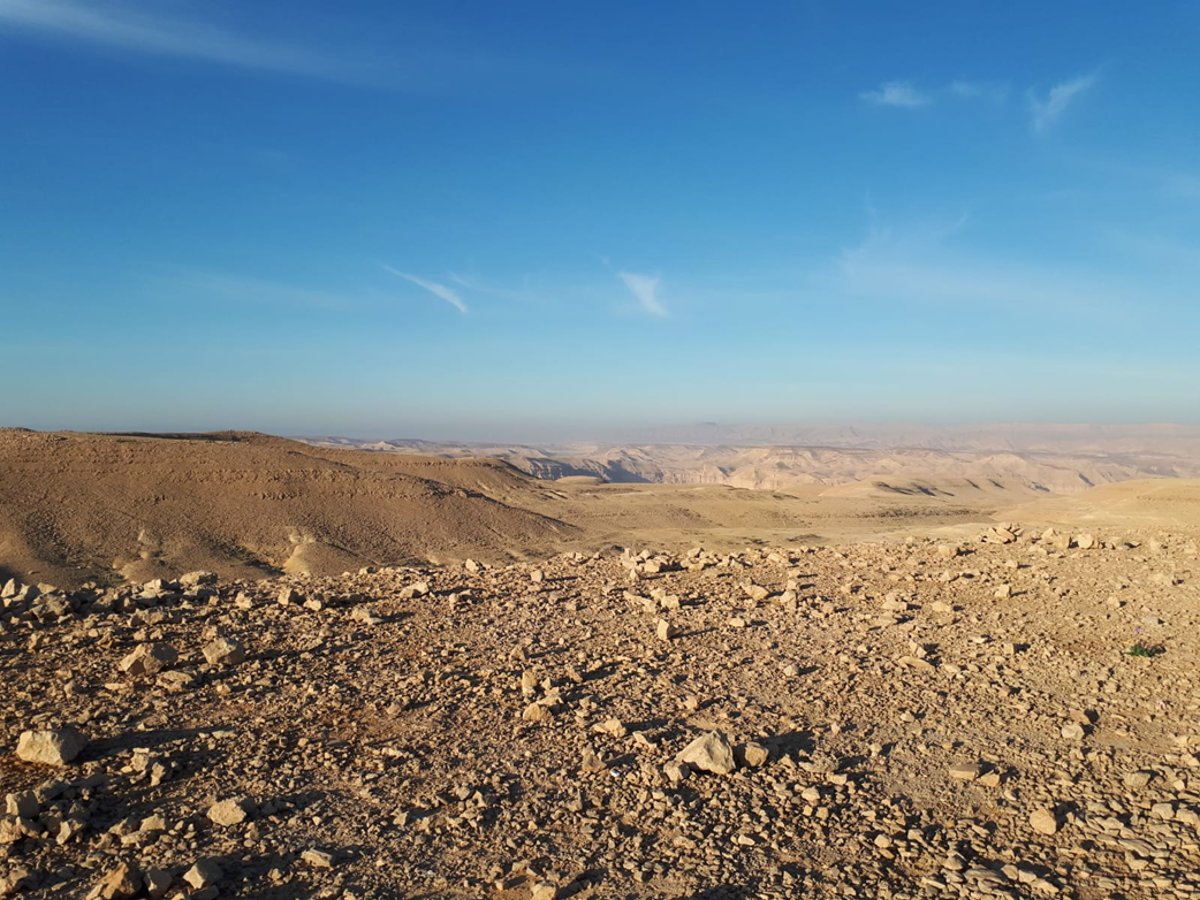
[78, 506]
[1013, 716]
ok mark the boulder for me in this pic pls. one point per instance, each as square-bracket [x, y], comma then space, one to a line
[146, 659]
[224, 651]
[54, 747]
[711, 752]
[205, 873]
[125, 880]
[231, 811]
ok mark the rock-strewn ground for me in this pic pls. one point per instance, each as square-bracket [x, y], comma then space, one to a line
[906, 720]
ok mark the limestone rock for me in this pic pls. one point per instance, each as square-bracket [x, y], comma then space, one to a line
[205, 873]
[146, 659]
[753, 754]
[757, 592]
[153, 825]
[231, 811]
[56, 747]
[196, 579]
[965, 771]
[710, 752]
[989, 779]
[124, 880]
[1139, 779]
[289, 596]
[22, 804]
[319, 859]
[224, 651]
[1044, 821]
[536, 712]
[1073, 731]
[676, 772]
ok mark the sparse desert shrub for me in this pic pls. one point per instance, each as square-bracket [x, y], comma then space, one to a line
[1140, 649]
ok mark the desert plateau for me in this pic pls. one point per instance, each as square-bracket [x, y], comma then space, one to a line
[262, 668]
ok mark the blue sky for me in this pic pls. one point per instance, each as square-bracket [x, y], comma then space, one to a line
[538, 220]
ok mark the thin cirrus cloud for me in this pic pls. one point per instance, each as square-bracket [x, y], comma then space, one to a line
[978, 90]
[208, 287]
[523, 294]
[448, 295]
[1045, 111]
[645, 290]
[928, 267]
[126, 27]
[897, 93]
[906, 95]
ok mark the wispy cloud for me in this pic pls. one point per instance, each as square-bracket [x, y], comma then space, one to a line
[645, 289]
[897, 93]
[449, 295]
[1045, 111]
[1182, 187]
[926, 267]
[181, 284]
[523, 294]
[887, 243]
[1163, 252]
[978, 90]
[129, 28]
[906, 95]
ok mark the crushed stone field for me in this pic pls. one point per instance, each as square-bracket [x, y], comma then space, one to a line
[1014, 715]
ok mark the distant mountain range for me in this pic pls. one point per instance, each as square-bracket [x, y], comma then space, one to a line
[1043, 458]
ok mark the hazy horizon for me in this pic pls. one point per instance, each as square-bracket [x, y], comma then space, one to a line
[893, 433]
[546, 219]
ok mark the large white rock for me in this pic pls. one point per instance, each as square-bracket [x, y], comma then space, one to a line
[711, 752]
[195, 579]
[224, 651]
[56, 747]
[146, 659]
[204, 873]
[232, 811]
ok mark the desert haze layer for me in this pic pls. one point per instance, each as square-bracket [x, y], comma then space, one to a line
[242, 666]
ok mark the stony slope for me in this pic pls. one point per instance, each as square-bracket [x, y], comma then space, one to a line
[907, 719]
